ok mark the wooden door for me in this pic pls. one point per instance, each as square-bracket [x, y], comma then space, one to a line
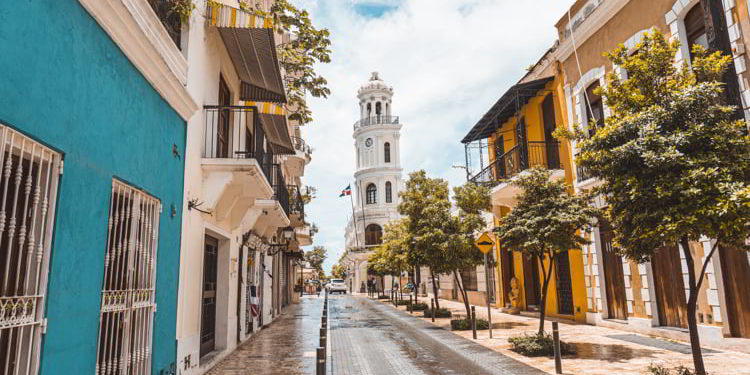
[499, 161]
[564, 284]
[614, 279]
[239, 291]
[735, 267]
[521, 142]
[531, 281]
[208, 305]
[552, 146]
[507, 273]
[222, 127]
[670, 289]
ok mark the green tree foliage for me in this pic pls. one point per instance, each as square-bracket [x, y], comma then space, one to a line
[674, 162]
[546, 221]
[390, 258]
[316, 257]
[338, 271]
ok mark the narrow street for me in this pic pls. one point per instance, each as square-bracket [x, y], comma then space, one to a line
[366, 338]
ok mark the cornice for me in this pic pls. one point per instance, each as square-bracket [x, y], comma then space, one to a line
[590, 25]
[137, 31]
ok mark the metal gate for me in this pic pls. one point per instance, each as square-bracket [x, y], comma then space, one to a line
[29, 174]
[127, 305]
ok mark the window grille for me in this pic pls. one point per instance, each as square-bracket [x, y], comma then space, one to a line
[127, 307]
[371, 194]
[29, 174]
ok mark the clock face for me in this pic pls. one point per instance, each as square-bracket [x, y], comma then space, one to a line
[368, 142]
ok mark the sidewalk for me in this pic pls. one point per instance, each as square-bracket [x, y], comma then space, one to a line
[600, 351]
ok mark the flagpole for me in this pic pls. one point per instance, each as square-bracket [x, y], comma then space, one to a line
[354, 219]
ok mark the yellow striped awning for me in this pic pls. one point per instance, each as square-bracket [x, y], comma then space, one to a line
[272, 117]
[268, 108]
[251, 46]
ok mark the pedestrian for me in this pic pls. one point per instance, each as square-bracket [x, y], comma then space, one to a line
[317, 289]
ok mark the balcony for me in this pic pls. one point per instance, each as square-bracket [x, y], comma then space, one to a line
[296, 207]
[236, 170]
[302, 156]
[169, 18]
[376, 120]
[515, 161]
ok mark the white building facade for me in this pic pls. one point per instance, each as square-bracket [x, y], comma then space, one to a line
[377, 178]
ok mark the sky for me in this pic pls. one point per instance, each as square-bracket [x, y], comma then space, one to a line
[448, 61]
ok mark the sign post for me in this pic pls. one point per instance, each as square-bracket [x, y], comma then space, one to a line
[485, 244]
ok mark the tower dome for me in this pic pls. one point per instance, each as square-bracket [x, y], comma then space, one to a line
[374, 101]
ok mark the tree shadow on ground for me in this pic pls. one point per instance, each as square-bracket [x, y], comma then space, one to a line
[609, 352]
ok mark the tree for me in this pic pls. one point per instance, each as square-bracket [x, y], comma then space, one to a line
[546, 222]
[459, 252]
[426, 202]
[338, 271]
[674, 163]
[316, 257]
[390, 258]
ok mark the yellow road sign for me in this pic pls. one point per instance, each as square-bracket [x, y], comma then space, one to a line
[485, 243]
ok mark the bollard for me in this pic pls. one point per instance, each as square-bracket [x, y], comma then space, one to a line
[411, 307]
[556, 338]
[323, 343]
[323, 321]
[432, 308]
[321, 362]
[474, 322]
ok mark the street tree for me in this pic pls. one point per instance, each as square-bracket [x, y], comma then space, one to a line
[546, 222]
[673, 159]
[458, 252]
[390, 257]
[316, 257]
[426, 202]
[338, 271]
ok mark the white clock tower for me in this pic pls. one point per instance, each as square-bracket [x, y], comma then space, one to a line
[377, 177]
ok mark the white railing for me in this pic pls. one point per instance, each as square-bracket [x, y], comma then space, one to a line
[127, 304]
[29, 174]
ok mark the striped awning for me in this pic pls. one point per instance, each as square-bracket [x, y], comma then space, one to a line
[250, 42]
[273, 118]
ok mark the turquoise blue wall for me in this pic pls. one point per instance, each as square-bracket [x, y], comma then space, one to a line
[64, 82]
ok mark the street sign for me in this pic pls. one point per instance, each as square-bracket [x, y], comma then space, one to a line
[484, 243]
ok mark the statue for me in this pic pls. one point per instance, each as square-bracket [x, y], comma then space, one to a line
[514, 295]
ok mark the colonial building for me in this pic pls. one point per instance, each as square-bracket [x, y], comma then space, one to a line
[243, 220]
[377, 178]
[93, 112]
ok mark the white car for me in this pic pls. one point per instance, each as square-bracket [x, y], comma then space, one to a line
[336, 286]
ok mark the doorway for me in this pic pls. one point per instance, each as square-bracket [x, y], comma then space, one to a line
[531, 283]
[208, 302]
[508, 272]
[670, 289]
[564, 284]
[735, 267]
[614, 279]
[552, 146]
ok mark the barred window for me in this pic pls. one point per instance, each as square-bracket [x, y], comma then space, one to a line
[372, 194]
[127, 304]
[29, 174]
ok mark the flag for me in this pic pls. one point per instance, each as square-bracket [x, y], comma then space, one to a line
[345, 192]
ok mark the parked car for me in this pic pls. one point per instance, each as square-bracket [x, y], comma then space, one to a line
[336, 286]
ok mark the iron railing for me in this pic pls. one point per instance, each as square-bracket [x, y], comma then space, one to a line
[234, 132]
[518, 159]
[280, 192]
[296, 204]
[171, 20]
[300, 145]
[376, 120]
[582, 173]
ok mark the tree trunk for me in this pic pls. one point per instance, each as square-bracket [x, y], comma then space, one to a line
[463, 294]
[434, 289]
[692, 306]
[547, 274]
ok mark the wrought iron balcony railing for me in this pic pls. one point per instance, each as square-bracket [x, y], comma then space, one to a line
[376, 120]
[280, 192]
[518, 159]
[171, 20]
[300, 145]
[296, 203]
[227, 136]
[582, 173]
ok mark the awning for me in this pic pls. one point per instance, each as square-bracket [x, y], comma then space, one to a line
[250, 42]
[505, 108]
[273, 118]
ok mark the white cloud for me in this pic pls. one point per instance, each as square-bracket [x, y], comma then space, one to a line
[448, 62]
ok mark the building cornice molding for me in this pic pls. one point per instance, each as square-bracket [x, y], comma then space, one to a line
[591, 25]
[137, 31]
[378, 172]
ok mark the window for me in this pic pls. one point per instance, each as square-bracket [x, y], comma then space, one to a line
[387, 152]
[594, 108]
[388, 193]
[127, 306]
[695, 29]
[372, 194]
[469, 279]
[29, 183]
[373, 235]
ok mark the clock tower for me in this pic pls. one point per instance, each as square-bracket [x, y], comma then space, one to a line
[377, 177]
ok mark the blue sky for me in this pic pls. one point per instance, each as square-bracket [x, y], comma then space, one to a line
[448, 62]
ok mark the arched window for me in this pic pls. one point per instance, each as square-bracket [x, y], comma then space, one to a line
[695, 28]
[377, 108]
[373, 235]
[369, 109]
[387, 152]
[372, 194]
[594, 108]
[388, 193]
